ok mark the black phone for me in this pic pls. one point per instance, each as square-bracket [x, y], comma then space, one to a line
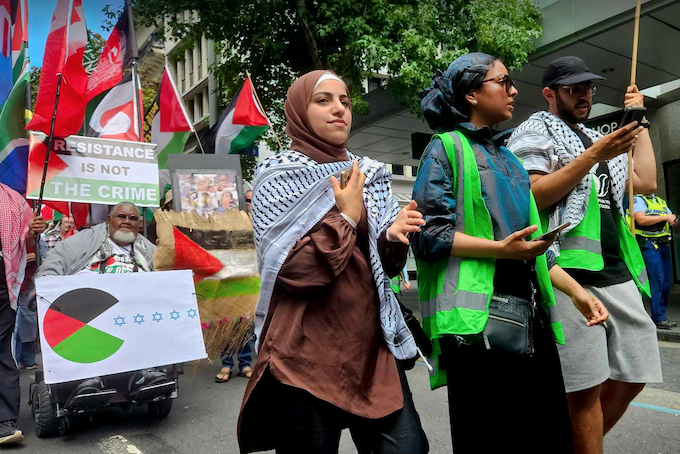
[632, 114]
[553, 232]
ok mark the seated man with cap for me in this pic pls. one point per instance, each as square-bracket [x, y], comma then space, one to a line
[580, 176]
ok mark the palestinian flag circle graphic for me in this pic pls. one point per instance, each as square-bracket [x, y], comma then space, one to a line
[67, 330]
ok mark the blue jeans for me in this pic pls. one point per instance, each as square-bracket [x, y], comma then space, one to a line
[244, 356]
[658, 262]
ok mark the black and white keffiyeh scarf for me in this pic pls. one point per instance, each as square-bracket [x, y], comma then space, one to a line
[291, 194]
[568, 146]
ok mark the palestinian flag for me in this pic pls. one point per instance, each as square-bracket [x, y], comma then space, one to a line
[168, 121]
[241, 123]
[220, 251]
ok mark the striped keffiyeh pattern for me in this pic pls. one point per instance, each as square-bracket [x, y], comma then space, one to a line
[291, 194]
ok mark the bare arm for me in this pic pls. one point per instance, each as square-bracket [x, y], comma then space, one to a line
[591, 307]
[513, 247]
[553, 187]
[644, 173]
[642, 219]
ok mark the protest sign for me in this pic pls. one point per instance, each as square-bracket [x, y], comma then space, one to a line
[93, 170]
[101, 324]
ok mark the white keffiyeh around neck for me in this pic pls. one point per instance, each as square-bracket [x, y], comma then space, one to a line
[291, 194]
[566, 147]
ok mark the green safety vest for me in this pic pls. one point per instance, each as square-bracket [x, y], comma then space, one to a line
[655, 207]
[395, 284]
[581, 247]
[455, 292]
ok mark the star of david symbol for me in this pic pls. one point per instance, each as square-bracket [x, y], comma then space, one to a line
[192, 313]
[174, 315]
[139, 319]
[157, 316]
[119, 321]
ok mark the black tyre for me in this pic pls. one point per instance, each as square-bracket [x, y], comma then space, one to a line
[160, 409]
[46, 421]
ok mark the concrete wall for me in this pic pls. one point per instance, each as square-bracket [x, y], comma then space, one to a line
[665, 132]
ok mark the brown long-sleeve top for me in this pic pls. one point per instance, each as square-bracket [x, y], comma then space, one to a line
[323, 333]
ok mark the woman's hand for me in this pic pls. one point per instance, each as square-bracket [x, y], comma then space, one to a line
[516, 248]
[349, 200]
[408, 220]
[591, 307]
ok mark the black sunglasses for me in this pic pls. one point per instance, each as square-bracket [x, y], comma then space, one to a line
[502, 79]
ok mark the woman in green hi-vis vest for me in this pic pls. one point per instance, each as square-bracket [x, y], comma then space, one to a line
[475, 197]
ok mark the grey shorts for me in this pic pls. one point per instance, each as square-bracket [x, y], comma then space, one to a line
[626, 349]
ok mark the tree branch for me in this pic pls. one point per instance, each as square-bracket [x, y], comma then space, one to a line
[309, 36]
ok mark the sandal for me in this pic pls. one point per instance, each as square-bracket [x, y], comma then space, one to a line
[246, 372]
[224, 375]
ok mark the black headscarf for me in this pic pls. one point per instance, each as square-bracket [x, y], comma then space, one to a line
[444, 104]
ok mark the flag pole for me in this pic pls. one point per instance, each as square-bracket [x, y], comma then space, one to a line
[271, 127]
[136, 88]
[198, 139]
[633, 72]
[50, 139]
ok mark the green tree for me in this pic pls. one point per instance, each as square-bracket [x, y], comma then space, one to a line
[278, 40]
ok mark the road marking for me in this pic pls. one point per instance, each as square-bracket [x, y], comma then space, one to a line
[666, 344]
[655, 408]
[117, 444]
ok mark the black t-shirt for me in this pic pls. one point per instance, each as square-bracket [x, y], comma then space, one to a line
[615, 270]
[4, 294]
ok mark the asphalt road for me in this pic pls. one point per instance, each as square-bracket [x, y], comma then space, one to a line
[203, 419]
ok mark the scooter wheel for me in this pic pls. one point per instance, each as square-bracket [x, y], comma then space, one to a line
[160, 409]
[46, 421]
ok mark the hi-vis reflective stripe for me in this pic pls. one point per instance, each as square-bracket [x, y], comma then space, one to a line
[447, 302]
[643, 277]
[581, 243]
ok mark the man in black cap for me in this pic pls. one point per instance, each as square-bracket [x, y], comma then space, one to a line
[580, 176]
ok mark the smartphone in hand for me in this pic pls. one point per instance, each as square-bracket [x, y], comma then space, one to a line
[632, 114]
[551, 234]
[345, 175]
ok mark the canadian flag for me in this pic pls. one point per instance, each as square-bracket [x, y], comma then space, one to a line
[64, 51]
[116, 116]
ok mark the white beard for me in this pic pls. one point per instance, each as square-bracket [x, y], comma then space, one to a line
[124, 238]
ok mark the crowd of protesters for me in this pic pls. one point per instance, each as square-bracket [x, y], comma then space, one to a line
[332, 337]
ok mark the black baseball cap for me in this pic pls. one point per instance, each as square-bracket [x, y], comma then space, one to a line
[568, 71]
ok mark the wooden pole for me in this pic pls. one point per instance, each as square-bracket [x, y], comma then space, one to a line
[271, 127]
[633, 73]
[140, 122]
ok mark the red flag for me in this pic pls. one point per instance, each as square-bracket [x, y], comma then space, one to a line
[120, 50]
[79, 211]
[63, 54]
[174, 117]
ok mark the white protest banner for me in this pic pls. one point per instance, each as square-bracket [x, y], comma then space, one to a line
[103, 324]
[93, 170]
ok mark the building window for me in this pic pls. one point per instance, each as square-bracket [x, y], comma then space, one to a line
[190, 66]
[397, 169]
[199, 104]
[190, 108]
[199, 51]
[374, 83]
